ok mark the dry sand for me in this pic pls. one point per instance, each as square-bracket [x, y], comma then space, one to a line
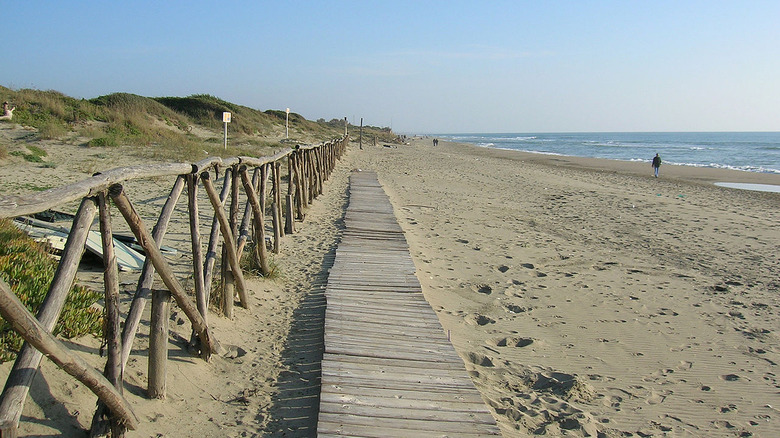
[585, 297]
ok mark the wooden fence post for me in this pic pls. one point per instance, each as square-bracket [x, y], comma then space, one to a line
[27, 361]
[211, 253]
[146, 280]
[114, 367]
[305, 182]
[158, 343]
[227, 239]
[99, 426]
[247, 219]
[298, 186]
[259, 223]
[228, 279]
[164, 270]
[275, 207]
[289, 219]
[201, 300]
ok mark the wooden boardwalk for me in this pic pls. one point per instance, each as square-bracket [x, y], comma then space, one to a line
[388, 369]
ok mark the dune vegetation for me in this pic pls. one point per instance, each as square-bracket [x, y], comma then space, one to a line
[178, 128]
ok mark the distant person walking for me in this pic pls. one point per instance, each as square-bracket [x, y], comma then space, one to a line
[656, 164]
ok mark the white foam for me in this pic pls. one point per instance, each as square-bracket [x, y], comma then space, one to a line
[754, 187]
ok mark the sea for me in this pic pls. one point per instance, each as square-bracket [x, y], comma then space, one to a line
[745, 151]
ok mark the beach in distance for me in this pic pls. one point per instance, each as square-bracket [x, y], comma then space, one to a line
[585, 296]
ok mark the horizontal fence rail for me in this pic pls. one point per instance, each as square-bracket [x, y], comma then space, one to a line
[238, 228]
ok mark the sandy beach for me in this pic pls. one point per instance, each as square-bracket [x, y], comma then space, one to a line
[585, 295]
[586, 298]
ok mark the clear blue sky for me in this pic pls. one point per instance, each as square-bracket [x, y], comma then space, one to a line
[420, 66]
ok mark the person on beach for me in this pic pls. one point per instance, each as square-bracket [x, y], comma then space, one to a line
[656, 164]
[7, 112]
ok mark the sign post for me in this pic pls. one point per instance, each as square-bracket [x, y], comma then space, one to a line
[287, 124]
[226, 119]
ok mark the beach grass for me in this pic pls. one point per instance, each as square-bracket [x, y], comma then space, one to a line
[175, 128]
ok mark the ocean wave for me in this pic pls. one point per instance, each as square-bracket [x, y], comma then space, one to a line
[735, 151]
[536, 152]
[757, 169]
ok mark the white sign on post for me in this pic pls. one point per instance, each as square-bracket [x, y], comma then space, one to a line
[226, 119]
[287, 124]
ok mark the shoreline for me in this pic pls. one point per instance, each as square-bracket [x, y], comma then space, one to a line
[707, 175]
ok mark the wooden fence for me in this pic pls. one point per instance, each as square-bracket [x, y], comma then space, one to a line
[307, 168]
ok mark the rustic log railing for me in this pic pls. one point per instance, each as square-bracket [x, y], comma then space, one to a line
[307, 168]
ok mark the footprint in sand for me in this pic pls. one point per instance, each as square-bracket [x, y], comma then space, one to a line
[655, 398]
[483, 289]
[730, 377]
[479, 359]
[612, 401]
[511, 342]
[511, 308]
[480, 320]
[684, 365]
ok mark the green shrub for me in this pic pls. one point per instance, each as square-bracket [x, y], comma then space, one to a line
[103, 141]
[37, 150]
[28, 157]
[29, 269]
